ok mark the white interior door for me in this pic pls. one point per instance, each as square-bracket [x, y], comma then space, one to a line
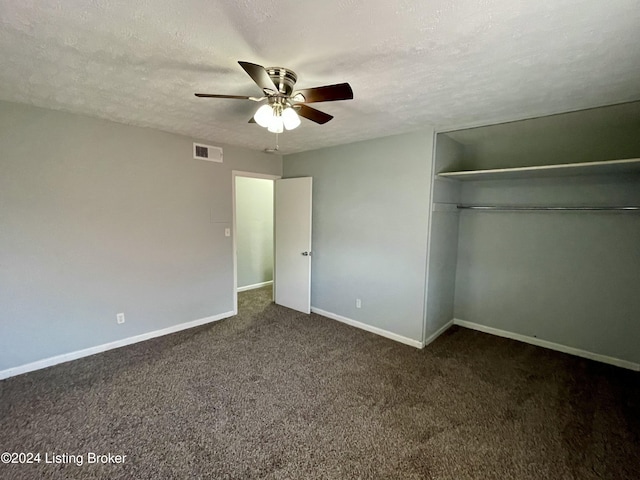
[292, 225]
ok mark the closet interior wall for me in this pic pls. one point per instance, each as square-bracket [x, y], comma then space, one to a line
[569, 278]
[443, 239]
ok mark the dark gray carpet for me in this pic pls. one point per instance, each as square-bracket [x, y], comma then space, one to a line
[279, 395]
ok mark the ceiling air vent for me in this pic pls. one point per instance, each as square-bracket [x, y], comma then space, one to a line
[207, 152]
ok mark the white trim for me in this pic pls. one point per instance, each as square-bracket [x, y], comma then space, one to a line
[234, 174]
[427, 260]
[438, 332]
[550, 345]
[255, 285]
[266, 176]
[368, 328]
[66, 357]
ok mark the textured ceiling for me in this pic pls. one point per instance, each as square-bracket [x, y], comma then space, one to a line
[410, 63]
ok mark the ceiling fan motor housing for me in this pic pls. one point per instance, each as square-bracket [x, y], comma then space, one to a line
[283, 78]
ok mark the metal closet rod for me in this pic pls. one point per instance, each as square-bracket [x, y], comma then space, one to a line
[628, 208]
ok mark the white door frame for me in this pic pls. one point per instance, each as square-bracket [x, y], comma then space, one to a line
[234, 174]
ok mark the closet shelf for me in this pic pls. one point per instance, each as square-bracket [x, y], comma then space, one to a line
[631, 165]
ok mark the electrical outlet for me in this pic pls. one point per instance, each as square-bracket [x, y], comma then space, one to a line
[227, 232]
[358, 303]
[120, 318]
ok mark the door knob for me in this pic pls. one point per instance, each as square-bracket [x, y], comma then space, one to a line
[306, 254]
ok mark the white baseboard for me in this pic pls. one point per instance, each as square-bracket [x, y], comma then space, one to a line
[255, 285]
[550, 345]
[438, 332]
[368, 328]
[66, 357]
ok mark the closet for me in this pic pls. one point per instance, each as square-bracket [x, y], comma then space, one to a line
[535, 232]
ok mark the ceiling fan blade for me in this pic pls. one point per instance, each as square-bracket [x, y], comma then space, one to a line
[235, 97]
[260, 76]
[312, 114]
[328, 93]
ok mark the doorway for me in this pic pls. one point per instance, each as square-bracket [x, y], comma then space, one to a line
[291, 213]
[253, 233]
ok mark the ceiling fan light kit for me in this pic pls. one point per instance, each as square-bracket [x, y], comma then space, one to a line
[285, 107]
[290, 118]
[275, 123]
[264, 115]
[274, 117]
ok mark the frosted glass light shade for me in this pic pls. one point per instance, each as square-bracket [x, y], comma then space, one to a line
[275, 124]
[290, 118]
[264, 115]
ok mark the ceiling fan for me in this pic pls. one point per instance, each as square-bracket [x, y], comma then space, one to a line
[285, 106]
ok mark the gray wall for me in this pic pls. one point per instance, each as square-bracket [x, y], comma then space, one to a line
[443, 241]
[570, 278]
[370, 220]
[254, 230]
[607, 133]
[98, 218]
